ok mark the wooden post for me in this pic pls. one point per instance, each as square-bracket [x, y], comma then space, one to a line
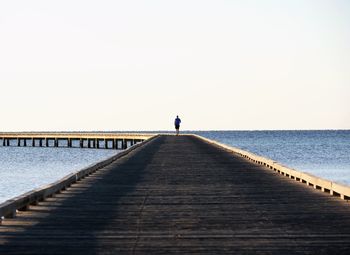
[33, 142]
[117, 144]
[114, 143]
[3, 142]
[40, 142]
[25, 142]
[8, 142]
[69, 142]
[81, 143]
[106, 143]
[19, 142]
[56, 142]
[47, 142]
[97, 143]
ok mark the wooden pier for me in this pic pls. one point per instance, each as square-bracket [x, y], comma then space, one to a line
[73, 139]
[181, 195]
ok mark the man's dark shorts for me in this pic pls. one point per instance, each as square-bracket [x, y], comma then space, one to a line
[177, 126]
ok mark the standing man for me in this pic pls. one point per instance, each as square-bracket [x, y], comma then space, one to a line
[177, 124]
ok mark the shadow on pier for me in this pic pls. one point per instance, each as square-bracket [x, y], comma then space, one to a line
[181, 195]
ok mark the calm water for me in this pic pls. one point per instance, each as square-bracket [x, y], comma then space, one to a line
[24, 168]
[321, 153]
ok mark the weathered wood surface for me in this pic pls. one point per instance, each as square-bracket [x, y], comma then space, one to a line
[181, 195]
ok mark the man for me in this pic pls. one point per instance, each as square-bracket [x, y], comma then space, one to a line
[177, 124]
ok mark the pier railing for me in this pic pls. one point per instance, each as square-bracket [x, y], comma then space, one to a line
[9, 208]
[318, 183]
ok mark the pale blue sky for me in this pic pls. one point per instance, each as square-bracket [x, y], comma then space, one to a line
[135, 65]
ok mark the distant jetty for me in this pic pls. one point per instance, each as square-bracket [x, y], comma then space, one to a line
[67, 139]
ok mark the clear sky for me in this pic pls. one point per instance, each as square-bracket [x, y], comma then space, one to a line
[135, 65]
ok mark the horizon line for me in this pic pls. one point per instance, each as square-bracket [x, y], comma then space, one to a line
[167, 130]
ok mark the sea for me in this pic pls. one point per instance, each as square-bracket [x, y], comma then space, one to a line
[323, 153]
[23, 169]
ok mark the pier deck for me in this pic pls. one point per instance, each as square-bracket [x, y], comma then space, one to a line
[182, 195]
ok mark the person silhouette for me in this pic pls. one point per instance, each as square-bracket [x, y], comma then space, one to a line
[177, 124]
